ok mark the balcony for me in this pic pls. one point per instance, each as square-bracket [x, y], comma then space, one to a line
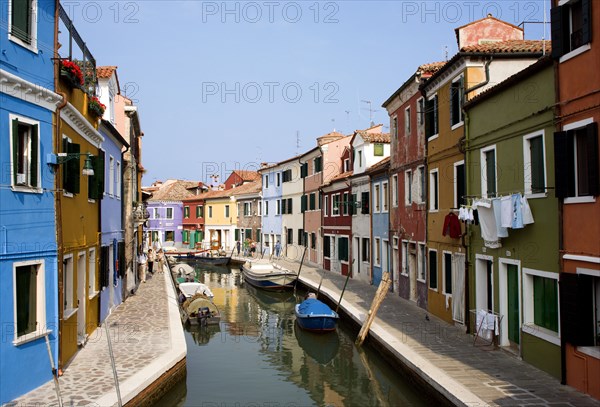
[140, 213]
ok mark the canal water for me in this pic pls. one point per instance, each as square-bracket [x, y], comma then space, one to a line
[257, 356]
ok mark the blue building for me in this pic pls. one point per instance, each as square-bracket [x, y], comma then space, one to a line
[271, 223]
[112, 250]
[380, 219]
[28, 246]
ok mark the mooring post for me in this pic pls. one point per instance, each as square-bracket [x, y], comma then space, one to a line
[384, 287]
[300, 269]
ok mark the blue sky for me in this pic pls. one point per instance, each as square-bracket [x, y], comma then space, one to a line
[227, 85]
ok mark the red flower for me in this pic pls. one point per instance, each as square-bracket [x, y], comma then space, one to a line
[73, 69]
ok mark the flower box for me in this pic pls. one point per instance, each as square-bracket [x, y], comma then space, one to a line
[95, 107]
[71, 72]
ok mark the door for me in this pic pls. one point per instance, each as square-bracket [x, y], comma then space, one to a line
[458, 287]
[81, 295]
[412, 271]
[512, 314]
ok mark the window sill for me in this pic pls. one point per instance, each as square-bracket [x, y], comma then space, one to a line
[93, 295]
[68, 313]
[431, 138]
[579, 200]
[92, 201]
[26, 189]
[457, 125]
[30, 337]
[593, 351]
[530, 195]
[67, 194]
[404, 274]
[574, 53]
[31, 47]
[419, 280]
[433, 289]
[542, 333]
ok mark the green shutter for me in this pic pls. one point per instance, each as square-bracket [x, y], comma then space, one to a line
[257, 235]
[93, 180]
[21, 20]
[303, 203]
[536, 147]
[99, 171]
[248, 233]
[15, 149]
[72, 169]
[312, 202]
[33, 165]
[236, 235]
[378, 149]
[545, 303]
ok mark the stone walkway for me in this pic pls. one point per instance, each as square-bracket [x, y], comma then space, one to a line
[145, 344]
[442, 354]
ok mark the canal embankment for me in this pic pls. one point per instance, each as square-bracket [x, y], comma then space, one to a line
[437, 356]
[149, 351]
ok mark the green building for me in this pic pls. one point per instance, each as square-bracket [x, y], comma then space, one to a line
[514, 258]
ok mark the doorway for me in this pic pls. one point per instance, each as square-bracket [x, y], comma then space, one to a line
[484, 283]
[81, 295]
[510, 303]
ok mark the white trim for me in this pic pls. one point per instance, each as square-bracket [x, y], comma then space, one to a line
[376, 253]
[503, 297]
[437, 270]
[540, 273]
[420, 259]
[78, 122]
[588, 272]
[40, 301]
[19, 88]
[456, 197]
[404, 257]
[575, 52]
[577, 124]
[435, 136]
[33, 47]
[483, 175]
[92, 286]
[431, 195]
[385, 202]
[579, 200]
[528, 325]
[577, 257]
[30, 122]
[527, 174]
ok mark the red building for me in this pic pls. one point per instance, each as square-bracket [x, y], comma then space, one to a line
[193, 222]
[576, 50]
[337, 209]
[408, 223]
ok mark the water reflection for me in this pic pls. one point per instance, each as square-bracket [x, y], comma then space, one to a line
[258, 356]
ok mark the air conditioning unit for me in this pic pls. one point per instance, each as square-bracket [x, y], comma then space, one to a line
[21, 179]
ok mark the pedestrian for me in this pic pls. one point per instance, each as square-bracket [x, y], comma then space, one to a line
[151, 258]
[277, 248]
[238, 245]
[142, 259]
[252, 248]
[160, 256]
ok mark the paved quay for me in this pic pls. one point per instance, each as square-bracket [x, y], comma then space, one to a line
[441, 354]
[147, 340]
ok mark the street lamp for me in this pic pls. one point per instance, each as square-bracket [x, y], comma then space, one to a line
[61, 158]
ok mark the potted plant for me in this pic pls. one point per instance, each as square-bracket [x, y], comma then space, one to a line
[95, 107]
[71, 72]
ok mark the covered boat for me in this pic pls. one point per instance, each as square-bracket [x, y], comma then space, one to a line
[263, 273]
[189, 289]
[315, 316]
[200, 310]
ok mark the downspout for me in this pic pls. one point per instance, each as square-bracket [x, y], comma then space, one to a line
[485, 82]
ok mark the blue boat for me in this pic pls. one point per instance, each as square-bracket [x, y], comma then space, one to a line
[315, 316]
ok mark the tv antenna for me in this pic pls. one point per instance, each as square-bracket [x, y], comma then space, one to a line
[347, 118]
[371, 110]
[297, 142]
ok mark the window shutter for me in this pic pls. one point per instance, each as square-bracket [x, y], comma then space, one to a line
[15, 149]
[93, 180]
[121, 256]
[563, 164]
[284, 206]
[303, 203]
[364, 203]
[21, 20]
[104, 254]
[33, 165]
[452, 107]
[318, 164]
[289, 205]
[576, 309]
[586, 25]
[557, 32]
[378, 149]
[236, 233]
[591, 135]
[99, 173]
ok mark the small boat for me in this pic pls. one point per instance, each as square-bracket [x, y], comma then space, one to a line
[200, 310]
[263, 273]
[189, 289]
[315, 316]
[182, 269]
[213, 260]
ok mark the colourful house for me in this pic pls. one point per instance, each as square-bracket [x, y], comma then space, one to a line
[193, 219]
[271, 221]
[381, 258]
[576, 51]
[515, 273]
[28, 246]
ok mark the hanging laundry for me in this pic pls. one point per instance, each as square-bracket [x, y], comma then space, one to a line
[517, 214]
[451, 226]
[527, 215]
[507, 211]
[496, 206]
[487, 221]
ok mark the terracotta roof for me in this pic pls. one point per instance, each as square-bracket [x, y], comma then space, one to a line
[379, 166]
[246, 175]
[249, 188]
[430, 68]
[173, 190]
[374, 137]
[508, 47]
[425, 70]
[341, 176]
[105, 72]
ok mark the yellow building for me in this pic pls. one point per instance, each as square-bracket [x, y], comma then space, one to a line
[220, 219]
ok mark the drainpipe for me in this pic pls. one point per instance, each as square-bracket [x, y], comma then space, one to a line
[485, 82]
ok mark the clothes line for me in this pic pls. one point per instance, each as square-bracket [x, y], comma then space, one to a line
[501, 194]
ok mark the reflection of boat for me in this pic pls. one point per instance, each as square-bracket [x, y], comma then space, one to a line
[316, 316]
[279, 302]
[321, 348]
[199, 310]
[263, 273]
[202, 334]
[189, 289]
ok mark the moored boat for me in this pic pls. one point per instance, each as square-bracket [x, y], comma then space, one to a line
[200, 310]
[189, 289]
[315, 316]
[263, 273]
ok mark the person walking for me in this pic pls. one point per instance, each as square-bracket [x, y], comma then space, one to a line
[160, 257]
[142, 259]
[151, 258]
[277, 248]
[238, 245]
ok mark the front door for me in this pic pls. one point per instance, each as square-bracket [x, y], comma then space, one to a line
[412, 274]
[81, 285]
[512, 277]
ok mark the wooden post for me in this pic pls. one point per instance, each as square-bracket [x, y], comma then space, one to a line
[343, 290]
[300, 269]
[384, 287]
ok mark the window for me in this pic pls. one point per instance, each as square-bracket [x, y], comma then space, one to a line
[68, 292]
[226, 211]
[488, 172]
[71, 168]
[431, 117]
[326, 205]
[278, 179]
[377, 198]
[186, 212]
[580, 307]
[353, 204]
[422, 262]
[259, 208]
[169, 236]
[421, 184]
[360, 158]
[92, 286]
[29, 302]
[287, 175]
[460, 188]
[258, 235]
[433, 269]
[395, 127]
[420, 111]
[395, 191]
[447, 265]
[169, 213]
[377, 251]
[326, 246]
[346, 164]
[433, 191]
[386, 196]
[312, 202]
[405, 258]
[210, 208]
[364, 202]
[378, 149]
[313, 240]
[456, 98]
[266, 182]
[266, 208]
[408, 180]
[23, 22]
[576, 160]
[156, 213]
[200, 211]
[343, 249]
[290, 236]
[534, 163]
[540, 304]
[304, 170]
[407, 121]
[345, 203]
[318, 164]
[118, 179]
[247, 208]
[111, 175]
[335, 205]
[366, 249]
[278, 207]
[571, 26]
[288, 206]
